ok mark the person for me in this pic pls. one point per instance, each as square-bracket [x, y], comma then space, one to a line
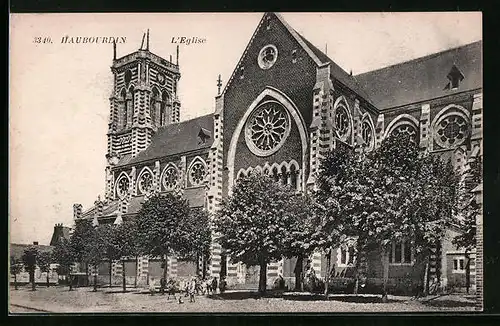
[214, 285]
[171, 288]
[163, 285]
[192, 290]
[223, 284]
[152, 286]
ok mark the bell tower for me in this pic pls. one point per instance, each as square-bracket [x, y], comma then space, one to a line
[143, 99]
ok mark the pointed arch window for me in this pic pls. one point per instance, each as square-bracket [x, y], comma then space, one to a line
[123, 96]
[130, 105]
[122, 186]
[145, 183]
[197, 173]
[155, 98]
[170, 178]
[406, 130]
[341, 121]
[164, 108]
[367, 135]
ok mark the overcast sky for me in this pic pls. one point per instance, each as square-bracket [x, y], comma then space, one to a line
[59, 93]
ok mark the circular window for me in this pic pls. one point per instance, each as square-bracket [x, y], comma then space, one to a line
[451, 131]
[367, 134]
[197, 173]
[267, 128]
[122, 187]
[342, 122]
[267, 56]
[405, 130]
[145, 183]
[170, 178]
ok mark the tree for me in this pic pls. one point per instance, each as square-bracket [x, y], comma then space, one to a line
[163, 227]
[64, 257]
[30, 258]
[469, 208]
[124, 244]
[79, 241]
[253, 222]
[44, 260]
[200, 235]
[95, 245]
[394, 193]
[300, 238]
[15, 268]
[109, 252]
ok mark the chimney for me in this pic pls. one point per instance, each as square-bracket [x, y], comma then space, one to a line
[77, 211]
[35, 243]
[99, 205]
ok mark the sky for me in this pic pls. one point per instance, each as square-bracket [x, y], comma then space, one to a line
[59, 93]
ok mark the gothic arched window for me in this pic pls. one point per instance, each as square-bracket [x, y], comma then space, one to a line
[341, 120]
[170, 178]
[165, 103]
[367, 134]
[451, 131]
[145, 183]
[155, 98]
[197, 173]
[405, 130]
[284, 176]
[130, 105]
[123, 96]
[293, 177]
[122, 186]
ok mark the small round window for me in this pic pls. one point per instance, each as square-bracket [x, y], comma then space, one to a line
[451, 131]
[146, 183]
[406, 130]
[267, 56]
[197, 174]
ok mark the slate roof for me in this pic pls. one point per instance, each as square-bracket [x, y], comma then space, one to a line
[423, 78]
[338, 73]
[177, 138]
[17, 249]
[60, 232]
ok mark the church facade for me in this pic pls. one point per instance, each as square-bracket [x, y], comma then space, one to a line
[284, 107]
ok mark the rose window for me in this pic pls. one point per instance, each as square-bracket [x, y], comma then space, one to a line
[267, 56]
[451, 131]
[122, 187]
[342, 122]
[170, 178]
[146, 183]
[367, 134]
[406, 130]
[267, 128]
[197, 174]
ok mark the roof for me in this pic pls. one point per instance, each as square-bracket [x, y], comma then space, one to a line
[17, 249]
[423, 78]
[178, 138]
[60, 232]
[337, 72]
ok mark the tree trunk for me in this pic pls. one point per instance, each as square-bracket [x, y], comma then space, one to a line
[95, 282]
[110, 273]
[48, 283]
[298, 273]
[357, 266]
[32, 274]
[70, 282]
[87, 273]
[385, 264]
[15, 281]
[327, 276]
[136, 267]
[262, 277]
[123, 276]
[165, 267]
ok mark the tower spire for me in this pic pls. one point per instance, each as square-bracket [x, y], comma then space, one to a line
[219, 84]
[177, 58]
[114, 49]
[147, 40]
[142, 43]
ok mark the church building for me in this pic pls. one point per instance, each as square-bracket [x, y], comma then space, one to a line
[284, 107]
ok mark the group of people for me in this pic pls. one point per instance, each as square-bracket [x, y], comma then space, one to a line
[194, 286]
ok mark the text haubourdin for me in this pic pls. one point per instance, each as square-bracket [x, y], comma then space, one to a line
[93, 39]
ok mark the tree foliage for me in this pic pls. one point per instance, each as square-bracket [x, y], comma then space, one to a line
[199, 233]
[45, 258]
[163, 226]
[83, 232]
[260, 222]
[63, 256]
[29, 259]
[15, 268]
[394, 193]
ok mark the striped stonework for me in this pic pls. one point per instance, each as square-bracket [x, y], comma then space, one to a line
[477, 117]
[379, 130]
[272, 271]
[316, 263]
[425, 132]
[214, 193]
[172, 266]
